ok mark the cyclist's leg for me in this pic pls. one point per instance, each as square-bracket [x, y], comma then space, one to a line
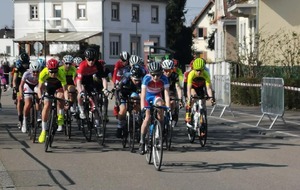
[27, 105]
[60, 109]
[45, 115]
[121, 118]
[188, 108]
[37, 105]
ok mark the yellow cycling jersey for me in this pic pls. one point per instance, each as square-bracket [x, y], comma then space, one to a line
[198, 81]
[70, 72]
[45, 75]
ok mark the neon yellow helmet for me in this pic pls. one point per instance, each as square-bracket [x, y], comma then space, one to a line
[198, 64]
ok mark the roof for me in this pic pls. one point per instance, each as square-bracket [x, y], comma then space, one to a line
[57, 37]
[8, 32]
[207, 6]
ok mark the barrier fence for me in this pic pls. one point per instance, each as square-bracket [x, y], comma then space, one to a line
[222, 88]
[272, 99]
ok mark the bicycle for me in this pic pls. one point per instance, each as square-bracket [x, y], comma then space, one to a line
[154, 137]
[32, 122]
[199, 120]
[133, 123]
[90, 123]
[52, 121]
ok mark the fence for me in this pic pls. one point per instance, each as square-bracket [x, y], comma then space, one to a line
[222, 88]
[272, 99]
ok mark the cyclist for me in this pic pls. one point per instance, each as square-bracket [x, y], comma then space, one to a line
[198, 83]
[3, 83]
[175, 89]
[124, 89]
[178, 71]
[22, 64]
[53, 81]
[70, 72]
[153, 85]
[134, 59]
[29, 84]
[88, 70]
[121, 67]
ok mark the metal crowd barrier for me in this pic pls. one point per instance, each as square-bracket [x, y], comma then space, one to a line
[222, 88]
[272, 99]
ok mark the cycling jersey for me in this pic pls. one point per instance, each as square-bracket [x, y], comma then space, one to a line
[173, 79]
[197, 81]
[53, 84]
[126, 87]
[152, 87]
[30, 79]
[119, 70]
[180, 75]
[70, 74]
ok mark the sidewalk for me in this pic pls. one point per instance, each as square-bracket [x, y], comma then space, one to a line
[247, 117]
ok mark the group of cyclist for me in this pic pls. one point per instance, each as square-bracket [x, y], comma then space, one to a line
[158, 83]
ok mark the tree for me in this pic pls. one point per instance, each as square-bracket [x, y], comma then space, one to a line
[179, 37]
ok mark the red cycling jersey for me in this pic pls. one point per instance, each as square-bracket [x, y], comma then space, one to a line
[118, 71]
[85, 70]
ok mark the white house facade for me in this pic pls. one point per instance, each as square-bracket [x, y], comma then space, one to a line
[113, 26]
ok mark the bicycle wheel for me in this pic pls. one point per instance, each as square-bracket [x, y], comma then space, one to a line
[157, 139]
[87, 127]
[126, 130]
[48, 140]
[68, 123]
[148, 145]
[169, 133]
[131, 131]
[191, 132]
[202, 130]
[98, 126]
[33, 124]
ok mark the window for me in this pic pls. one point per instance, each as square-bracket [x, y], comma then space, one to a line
[135, 13]
[34, 12]
[115, 11]
[202, 33]
[81, 11]
[8, 50]
[57, 14]
[114, 45]
[154, 14]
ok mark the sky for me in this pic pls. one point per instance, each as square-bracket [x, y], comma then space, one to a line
[193, 8]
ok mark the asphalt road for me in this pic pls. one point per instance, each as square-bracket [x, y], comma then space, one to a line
[238, 156]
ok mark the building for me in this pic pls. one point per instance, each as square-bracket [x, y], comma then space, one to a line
[49, 27]
[203, 33]
[7, 48]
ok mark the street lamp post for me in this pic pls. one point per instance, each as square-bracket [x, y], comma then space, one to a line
[134, 17]
[45, 29]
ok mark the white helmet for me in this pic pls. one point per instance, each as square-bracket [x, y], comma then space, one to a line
[167, 64]
[35, 66]
[134, 59]
[77, 61]
[67, 59]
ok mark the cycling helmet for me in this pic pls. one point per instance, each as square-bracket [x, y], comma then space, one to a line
[136, 72]
[52, 64]
[124, 56]
[67, 59]
[134, 59]
[90, 53]
[18, 64]
[41, 62]
[24, 57]
[167, 64]
[154, 67]
[77, 61]
[35, 66]
[198, 64]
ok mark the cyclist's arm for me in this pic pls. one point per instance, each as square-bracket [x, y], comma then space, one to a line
[179, 90]
[21, 87]
[15, 79]
[143, 97]
[79, 85]
[104, 83]
[167, 97]
[39, 90]
[65, 89]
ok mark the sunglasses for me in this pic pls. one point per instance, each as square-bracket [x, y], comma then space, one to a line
[156, 74]
[200, 70]
[68, 63]
[35, 71]
[90, 59]
[53, 71]
[168, 70]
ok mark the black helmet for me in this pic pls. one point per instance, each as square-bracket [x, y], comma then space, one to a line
[136, 72]
[124, 56]
[90, 53]
[24, 58]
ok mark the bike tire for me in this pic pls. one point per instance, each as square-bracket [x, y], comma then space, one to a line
[88, 127]
[157, 139]
[202, 130]
[131, 131]
[126, 135]
[98, 129]
[34, 125]
[68, 124]
[49, 131]
[148, 147]
[169, 136]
